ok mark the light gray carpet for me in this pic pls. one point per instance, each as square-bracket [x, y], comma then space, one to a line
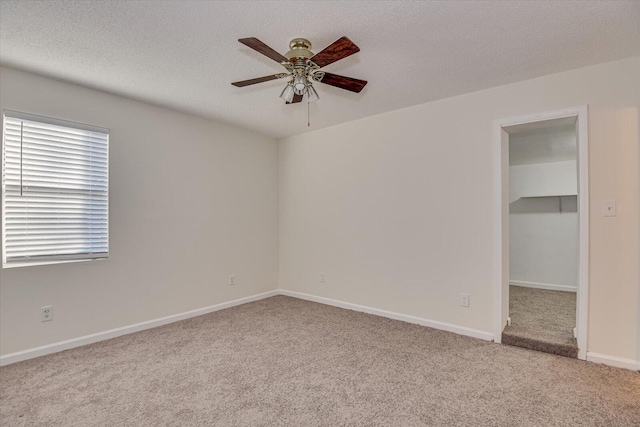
[288, 362]
[542, 320]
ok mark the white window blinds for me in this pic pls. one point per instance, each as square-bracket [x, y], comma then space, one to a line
[55, 190]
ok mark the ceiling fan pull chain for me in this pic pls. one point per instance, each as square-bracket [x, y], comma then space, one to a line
[308, 121]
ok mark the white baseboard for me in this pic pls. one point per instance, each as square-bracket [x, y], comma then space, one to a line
[391, 315]
[113, 333]
[125, 330]
[618, 362]
[548, 286]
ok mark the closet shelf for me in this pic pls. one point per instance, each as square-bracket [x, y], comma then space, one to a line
[549, 195]
[559, 196]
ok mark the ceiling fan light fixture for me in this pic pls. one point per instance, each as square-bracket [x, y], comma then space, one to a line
[287, 93]
[312, 95]
[300, 84]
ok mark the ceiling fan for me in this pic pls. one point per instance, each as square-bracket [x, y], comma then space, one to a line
[303, 68]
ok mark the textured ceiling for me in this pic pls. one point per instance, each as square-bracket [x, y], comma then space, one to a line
[184, 54]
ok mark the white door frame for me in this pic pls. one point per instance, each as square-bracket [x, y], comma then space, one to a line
[501, 215]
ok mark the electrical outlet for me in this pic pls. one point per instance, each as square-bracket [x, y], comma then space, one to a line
[46, 313]
[232, 279]
[323, 278]
[464, 300]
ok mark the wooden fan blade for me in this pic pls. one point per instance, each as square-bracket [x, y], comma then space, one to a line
[336, 51]
[296, 98]
[258, 46]
[348, 83]
[244, 83]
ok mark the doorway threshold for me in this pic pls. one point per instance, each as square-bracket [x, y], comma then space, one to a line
[542, 320]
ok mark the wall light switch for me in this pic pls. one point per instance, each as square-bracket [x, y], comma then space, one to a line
[609, 208]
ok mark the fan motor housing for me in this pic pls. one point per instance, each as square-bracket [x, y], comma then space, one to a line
[299, 49]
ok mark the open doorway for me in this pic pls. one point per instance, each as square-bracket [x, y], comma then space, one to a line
[543, 236]
[542, 242]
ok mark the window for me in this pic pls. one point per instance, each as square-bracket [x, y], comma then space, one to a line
[55, 190]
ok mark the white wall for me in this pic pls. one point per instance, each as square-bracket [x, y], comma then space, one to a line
[191, 201]
[543, 241]
[397, 209]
